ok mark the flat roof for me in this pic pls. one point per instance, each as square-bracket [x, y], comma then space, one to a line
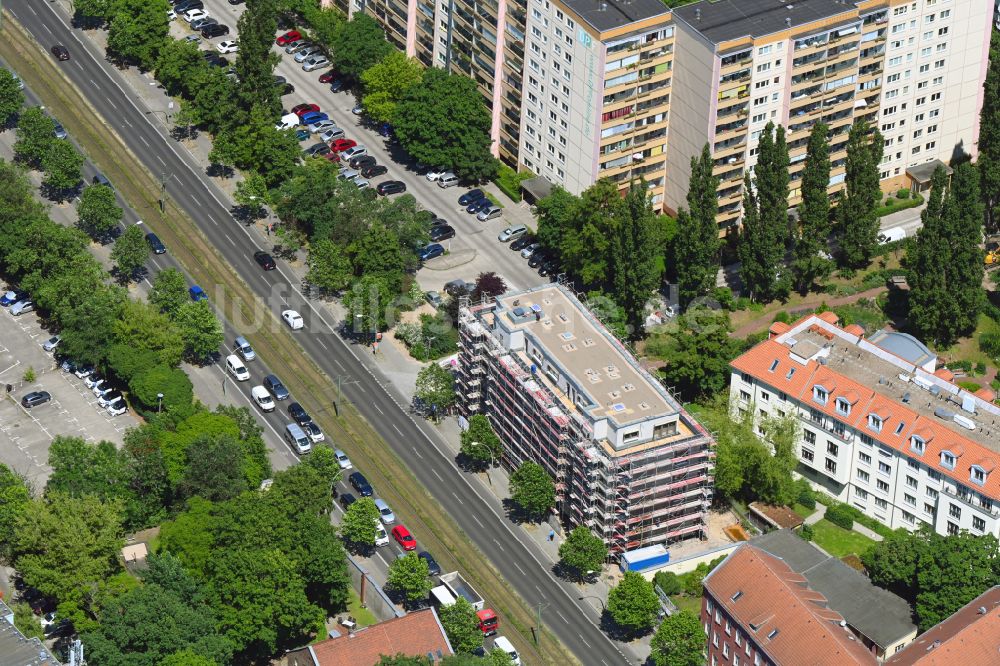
[725, 20]
[603, 15]
[617, 387]
[15, 649]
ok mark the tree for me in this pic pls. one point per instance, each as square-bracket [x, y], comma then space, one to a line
[498, 657]
[632, 604]
[139, 30]
[479, 442]
[892, 563]
[80, 468]
[532, 489]
[698, 233]
[98, 211]
[358, 526]
[582, 552]
[257, 145]
[462, 626]
[367, 303]
[214, 103]
[191, 535]
[697, 362]
[377, 253]
[435, 388]
[952, 572]
[965, 268]
[329, 268]
[679, 641]
[180, 68]
[360, 44]
[488, 285]
[89, 326]
[252, 192]
[130, 251]
[809, 259]
[989, 137]
[386, 82]
[200, 329]
[27, 622]
[765, 219]
[142, 327]
[66, 546]
[856, 213]
[11, 96]
[173, 383]
[35, 133]
[14, 497]
[255, 62]
[62, 164]
[410, 576]
[93, 9]
[634, 273]
[443, 122]
[169, 291]
[214, 469]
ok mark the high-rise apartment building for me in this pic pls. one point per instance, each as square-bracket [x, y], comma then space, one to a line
[586, 89]
[629, 462]
[882, 427]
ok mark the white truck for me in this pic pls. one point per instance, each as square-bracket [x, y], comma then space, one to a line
[460, 588]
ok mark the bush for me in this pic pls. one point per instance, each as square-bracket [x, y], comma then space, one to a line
[742, 303]
[969, 386]
[805, 496]
[509, 181]
[893, 206]
[903, 194]
[784, 317]
[989, 344]
[29, 375]
[668, 581]
[980, 368]
[841, 515]
[724, 295]
[806, 532]
[963, 365]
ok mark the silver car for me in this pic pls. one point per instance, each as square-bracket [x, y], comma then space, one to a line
[383, 508]
[306, 53]
[315, 63]
[512, 233]
[321, 126]
[297, 45]
[331, 134]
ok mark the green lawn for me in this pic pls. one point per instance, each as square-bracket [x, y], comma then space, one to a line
[837, 541]
[683, 601]
[362, 616]
[803, 511]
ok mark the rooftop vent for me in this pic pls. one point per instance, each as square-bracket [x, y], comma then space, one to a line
[566, 335]
[772, 634]
[736, 596]
[981, 610]
[519, 311]
[643, 406]
[697, 14]
[569, 347]
[788, 20]
[628, 387]
[588, 342]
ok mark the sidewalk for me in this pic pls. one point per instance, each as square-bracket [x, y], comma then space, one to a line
[858, 527]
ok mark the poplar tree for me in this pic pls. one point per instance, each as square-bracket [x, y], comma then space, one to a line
[698, 233]
[808, 265]
[765, 219]
[856, 213]
[989, 138]
[634, 273]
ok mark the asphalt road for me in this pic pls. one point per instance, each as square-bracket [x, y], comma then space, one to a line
[384, 407]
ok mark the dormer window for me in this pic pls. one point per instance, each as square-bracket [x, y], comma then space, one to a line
[843, 407]
[875, 422]
[917, 444]
[820, 394]
[978, 475]
[948, 459]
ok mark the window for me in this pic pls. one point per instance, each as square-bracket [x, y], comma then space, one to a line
[938, 80]
[892, 78]
[762, 84]
[898, 60]
[882, 485]
[763, 67]
[978, 524]
[946, 13]
[930, 145]
[744, 396]
[881, 503]
[864, 457]
[954, 511]
[831, 466]
[884, 468]
[978, 475]
[948, 460]
[809, 436]
[820, 394]
[866, 440]
[843, 407]
[952, 528]
[935, 97]
[928, 508]
[924, 52]
[910, 499]
[874, 421]
[930, 492]
[832, 448]
[808, 455]
[765, 396]
[942, 31]
[909, 517]
[759, 118]
[911, 482]
[938, 64]
[863, 475]
[860, 494]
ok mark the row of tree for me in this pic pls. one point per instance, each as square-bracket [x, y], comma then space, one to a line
[37, 147]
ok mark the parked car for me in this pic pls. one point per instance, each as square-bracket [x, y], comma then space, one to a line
[443, 232]
[470, 196]
[200, 25]
[341, 145]
[264, 260]
[277, 389]
[332, 134]
[477, 205]
[434, 174]
[538, 258]
[315, 62]
[359, 161]
[374, 170]
[104, 390]
[354, 151]
[447, 180]
[262, 398]
[228, 46]
[304, 108]
[298, 413]
[433, 568]
[11, 297]
[347, 499]
[337, 85]
[328, 76]
[512, 233]
[84, 371]
[491, 212]
[312, 117]
[313, 432]
[58, 131]
[522, 242]
[391, 187]
[305, 53]
[216, 30]
[404, 538]
[434, 298]
[318, 149]
[342, 459]
[288, 38]
[293, 319]
[458, 287]
[22, 307]
[360, 483]
[193, 15]
[361, 183]
[348, 174]
[197, 293]
[118, 407]
[385, 512]
[109, 398]
[321, 126]
[431, 251]
[549, 268]
[302, 134]
[530, 250]
[51, 344]
[35, 398]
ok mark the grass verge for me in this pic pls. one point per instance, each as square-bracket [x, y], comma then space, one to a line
[242, 307]
[837, 541]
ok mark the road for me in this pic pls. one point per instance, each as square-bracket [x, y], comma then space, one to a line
[417, 445]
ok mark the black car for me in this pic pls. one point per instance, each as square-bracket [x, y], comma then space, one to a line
[458, 287]
[287, 89]
[265, 260]
[433, 568]
[444, 232]
[470, 196]
[35, 398]
[188, 5]
[60, 52]
[216, 30]
[360, 483]
[360, 161]
[391, 187]
[347, 499]
[438, 222]
[374, 170]
[155, 244]
[298, 413]
[549, 268]
[478, 205]
[236, 2]
[277, 389]
[537, 259]
[318, 149]
[522, 242]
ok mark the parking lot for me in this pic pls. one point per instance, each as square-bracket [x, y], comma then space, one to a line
[25, 434]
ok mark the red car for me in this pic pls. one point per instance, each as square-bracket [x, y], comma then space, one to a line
[340, 145]
[328, 76]
[404, 538]
[302, 109]
[288, 37]
[333, 156]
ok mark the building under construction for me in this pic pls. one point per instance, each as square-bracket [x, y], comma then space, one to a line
[560, 390]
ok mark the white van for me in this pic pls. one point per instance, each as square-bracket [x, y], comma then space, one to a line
[236, 368]
[297, 439]
[244, 349]
[288, 121]
[505, 645]
[381, 538]
[263, 398]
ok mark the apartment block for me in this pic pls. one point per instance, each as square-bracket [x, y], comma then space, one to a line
[628, 461]
[882, 427]
[778, 600]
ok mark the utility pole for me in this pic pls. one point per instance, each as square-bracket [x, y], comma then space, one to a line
[164, 177]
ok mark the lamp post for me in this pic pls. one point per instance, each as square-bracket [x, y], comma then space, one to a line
[493, 460]
[164, 177]
[159, 402]
[604, 608]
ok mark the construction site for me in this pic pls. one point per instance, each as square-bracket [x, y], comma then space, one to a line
[560, 390]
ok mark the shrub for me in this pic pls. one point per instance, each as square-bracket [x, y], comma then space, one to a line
[806, 497]
[784, 317]
[989, 344]
[509, 181]
[29, 375]
[742, 303]
[969, 386]
[903, 194]
[806, 532]
[724, 295]
[980, 368]
[841, 515]
[668, 582]
[960, 365]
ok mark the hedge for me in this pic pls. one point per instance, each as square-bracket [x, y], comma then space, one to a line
[841, 515]
[509, 181]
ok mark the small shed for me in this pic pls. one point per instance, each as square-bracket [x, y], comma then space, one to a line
[920, 175]
[535, 189]
[770, 517]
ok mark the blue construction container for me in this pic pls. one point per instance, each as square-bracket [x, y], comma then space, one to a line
[646, 558]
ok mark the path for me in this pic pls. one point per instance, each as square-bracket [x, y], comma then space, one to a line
[858, 527]
[764, 321]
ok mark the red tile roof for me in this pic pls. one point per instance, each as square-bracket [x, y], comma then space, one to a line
[415, 634]
[854, 329]
[776, 609]
[967, 637]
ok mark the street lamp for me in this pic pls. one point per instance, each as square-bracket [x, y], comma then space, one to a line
[604, 608]
[493, 460]
[159, 402]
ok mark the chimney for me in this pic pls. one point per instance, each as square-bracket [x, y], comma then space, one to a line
[604, 6]
[697, 13]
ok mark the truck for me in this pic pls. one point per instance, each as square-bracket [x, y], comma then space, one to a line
[460, 588]
[454, 586]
